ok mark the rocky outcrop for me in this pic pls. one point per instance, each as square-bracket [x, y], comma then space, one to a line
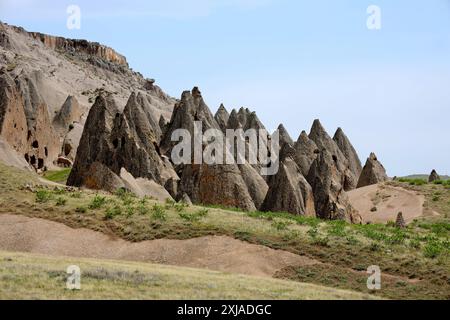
[216, 185]
[69, 113]
[256, 185]
[372, 173]
[305, 152]
[80, 46]
[400, 221]
[187, 111]
[244, 119]
[25, 122]
[288, 189]
[95, 144]
[349, 152]
[324, 141]
[327, 182]
[284, 136]
[222, 116]
[433, 176]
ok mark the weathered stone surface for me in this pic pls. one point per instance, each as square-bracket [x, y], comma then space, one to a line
[305, 152]
[400, 221]
[172, 187]
[144, 187]
[25, 123]
[100, 177]
[284, 136]
[189, 109]
[216, 185]
[135, 138]
[256, 185]
[95, 144]
[186, 200]
[324, 141]
[372, 173]
[288, 189]
[69, 113]
[434, 176]
[327, 182]
[222, 116]
[349, 152]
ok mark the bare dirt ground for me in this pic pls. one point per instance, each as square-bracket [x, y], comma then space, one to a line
[388, 202]
[219, 253]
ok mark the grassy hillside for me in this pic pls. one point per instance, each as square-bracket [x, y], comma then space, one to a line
[28, 276]
[415, 261]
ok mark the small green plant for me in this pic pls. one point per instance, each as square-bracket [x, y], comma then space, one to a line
[43, 196]
[113, 212]
[76, 195]
[432, 250]
[159, 213]
[337, 228]
[313, 233]
[81, 210]
[180, 207]
[97, 202]
[280, 225]
[61, 201]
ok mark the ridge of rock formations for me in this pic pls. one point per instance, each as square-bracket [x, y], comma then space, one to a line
[56, 82]
[372, 173]
[65, 102]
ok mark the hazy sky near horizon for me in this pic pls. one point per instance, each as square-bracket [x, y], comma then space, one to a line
[291, 61]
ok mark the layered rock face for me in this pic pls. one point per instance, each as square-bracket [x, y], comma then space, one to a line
[86, 47]
[25, 123]
[372, 173]
[53, 83]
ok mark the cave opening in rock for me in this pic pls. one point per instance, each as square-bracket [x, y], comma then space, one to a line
[67, 149]
[46, 152]
[27, 157]
[33, 160]
[40, 163]
[115, 143]
[35, 144]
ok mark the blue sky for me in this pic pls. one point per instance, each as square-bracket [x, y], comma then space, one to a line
[291, 61]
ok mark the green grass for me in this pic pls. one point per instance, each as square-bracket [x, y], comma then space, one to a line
[59, 176]
[38, 277]
[421, 251]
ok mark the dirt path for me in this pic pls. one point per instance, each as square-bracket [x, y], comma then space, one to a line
[23, 234]
[388, 201]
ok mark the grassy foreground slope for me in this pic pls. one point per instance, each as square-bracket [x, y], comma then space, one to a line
[30, 276]
[415, 261]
